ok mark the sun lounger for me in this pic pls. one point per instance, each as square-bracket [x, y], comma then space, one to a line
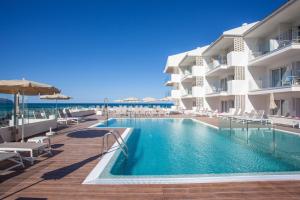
[11, 156]
[69, 115]
[232, 112]
[257, 117]
[38, 115]
[25, 147]
[245, 116]
[63, 118]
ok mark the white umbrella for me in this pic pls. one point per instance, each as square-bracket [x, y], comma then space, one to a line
[149, 99]
[55, 97]
[272, 105]
[131, 99]
[26, 87]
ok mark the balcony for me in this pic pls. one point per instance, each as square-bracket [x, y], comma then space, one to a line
[187, 76]
[197, 91]
[265, 85]
[217, 67]
[175, 94]
[188, 93]
[232, 87]
[238, 59]
[216, 91]
[236, 87]
[175, 79]
[283, 50]
[198, 70]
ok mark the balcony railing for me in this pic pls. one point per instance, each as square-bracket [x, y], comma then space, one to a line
[187, 92]
[281, 44]
[216, 89]
[267, 83]
[216, 63]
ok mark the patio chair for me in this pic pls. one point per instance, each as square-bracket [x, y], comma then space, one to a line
[13, 157]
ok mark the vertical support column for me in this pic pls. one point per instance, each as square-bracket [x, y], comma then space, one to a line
[238, 44]
[199, 82]
[239, 101]
[199, 103]
[239, 72]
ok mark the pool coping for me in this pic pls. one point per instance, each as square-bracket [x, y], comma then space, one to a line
[93, 176]
[104, 160]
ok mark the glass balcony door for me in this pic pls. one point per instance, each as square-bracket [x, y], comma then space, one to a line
[278, 76]
[223, 84]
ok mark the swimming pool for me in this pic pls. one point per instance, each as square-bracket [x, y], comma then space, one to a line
[178, 149]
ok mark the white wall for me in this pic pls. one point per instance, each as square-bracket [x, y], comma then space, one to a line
[29, 129]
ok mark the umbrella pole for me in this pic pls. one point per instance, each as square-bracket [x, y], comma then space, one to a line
[23, 107]
[15, 118]
[56, 114]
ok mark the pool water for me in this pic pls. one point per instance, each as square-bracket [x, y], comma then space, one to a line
[187, 147]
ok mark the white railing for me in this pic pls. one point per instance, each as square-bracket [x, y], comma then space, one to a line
[216, 63]
[281, 44]
[266, 83]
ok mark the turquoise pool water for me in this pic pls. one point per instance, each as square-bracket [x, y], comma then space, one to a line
[186, 147]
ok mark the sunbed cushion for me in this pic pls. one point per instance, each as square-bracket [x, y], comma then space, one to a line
[24, 145]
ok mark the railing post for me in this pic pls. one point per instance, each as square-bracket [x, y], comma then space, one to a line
[230, 125]
[274, 140]
[247, 132]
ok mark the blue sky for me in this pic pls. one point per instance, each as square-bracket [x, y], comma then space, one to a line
[93, 49]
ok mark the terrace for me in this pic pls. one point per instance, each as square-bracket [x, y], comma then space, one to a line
[61, 176]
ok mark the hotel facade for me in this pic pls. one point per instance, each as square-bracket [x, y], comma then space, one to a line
[243, 68]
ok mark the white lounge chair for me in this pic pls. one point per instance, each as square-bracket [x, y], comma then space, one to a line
[28, 147]
[11, 156]
[64, 119]
[70, 116]
[256, 117]
[232, 112]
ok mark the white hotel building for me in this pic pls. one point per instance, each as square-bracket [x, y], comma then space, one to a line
[243, 67]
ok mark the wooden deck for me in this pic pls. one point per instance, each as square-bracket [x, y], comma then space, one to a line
[77, 151]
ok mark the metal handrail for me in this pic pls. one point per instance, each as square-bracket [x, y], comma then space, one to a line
[116, 135]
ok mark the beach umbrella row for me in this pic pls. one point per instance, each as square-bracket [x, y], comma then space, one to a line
[146, 99]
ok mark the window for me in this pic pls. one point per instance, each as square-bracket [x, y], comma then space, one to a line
[282, 108]
[223, 84]
[278, 76]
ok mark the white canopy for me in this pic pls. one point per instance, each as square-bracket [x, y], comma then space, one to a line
[165, 99]
[149, 99]
[55, 97]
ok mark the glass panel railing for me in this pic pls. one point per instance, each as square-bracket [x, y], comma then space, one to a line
[261, 135]
[6, 109]
[280, 44]
[217, 62]
[266, 82]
